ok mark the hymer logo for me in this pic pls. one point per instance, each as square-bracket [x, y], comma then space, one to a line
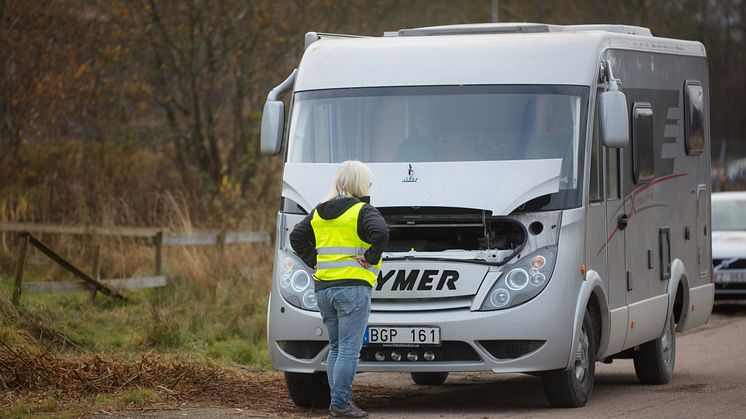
[428, 280]
[411, 178]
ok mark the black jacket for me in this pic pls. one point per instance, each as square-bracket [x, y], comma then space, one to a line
[371, 227]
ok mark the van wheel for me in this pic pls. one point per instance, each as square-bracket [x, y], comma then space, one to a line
[572, 387]
[429, 378]
[308, 390]
[654, 361]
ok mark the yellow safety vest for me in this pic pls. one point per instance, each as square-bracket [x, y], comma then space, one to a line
[336, 244]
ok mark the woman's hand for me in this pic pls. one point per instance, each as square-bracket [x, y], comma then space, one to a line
[361, 260]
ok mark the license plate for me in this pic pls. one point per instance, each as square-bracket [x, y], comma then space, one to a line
[383, 335]
[730, 276]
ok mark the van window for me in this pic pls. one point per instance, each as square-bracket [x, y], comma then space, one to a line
[693, 118]
[643, 159]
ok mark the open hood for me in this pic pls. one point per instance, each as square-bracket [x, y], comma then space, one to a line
[497, 186]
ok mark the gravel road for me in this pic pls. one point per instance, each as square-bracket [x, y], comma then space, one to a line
[709, 381]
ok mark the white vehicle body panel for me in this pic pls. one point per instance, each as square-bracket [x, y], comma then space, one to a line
[551, 58]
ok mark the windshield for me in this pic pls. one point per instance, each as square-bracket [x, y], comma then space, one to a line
[444, 124]
[729, 215]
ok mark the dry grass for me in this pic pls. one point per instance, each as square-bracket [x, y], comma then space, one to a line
[215, 304]
[206, 329]
[96, 374]
[28, 329]
[212, 314]
[214, 300]
[127, 183]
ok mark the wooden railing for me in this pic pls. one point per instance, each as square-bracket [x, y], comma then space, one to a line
[91, 282]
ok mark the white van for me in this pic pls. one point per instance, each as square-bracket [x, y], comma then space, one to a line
[547, 190]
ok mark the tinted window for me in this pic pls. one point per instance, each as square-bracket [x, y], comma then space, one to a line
[643, 161]
[693, 118]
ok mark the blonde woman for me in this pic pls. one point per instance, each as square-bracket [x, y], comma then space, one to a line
[343, 238]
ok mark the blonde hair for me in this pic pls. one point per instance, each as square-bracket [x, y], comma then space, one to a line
[353, 178]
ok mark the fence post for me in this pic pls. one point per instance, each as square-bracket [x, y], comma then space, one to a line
[19, 268]
[221, 242]
[95, 267]
[158, 243]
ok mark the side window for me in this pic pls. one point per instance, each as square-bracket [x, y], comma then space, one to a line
[595, 192]
[612, 173]
[694, 129]
[643, 159]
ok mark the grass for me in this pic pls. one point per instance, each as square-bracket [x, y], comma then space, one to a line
[211, 310]
[132, 328]
[136, 397]
[38, 408]
[50, 407]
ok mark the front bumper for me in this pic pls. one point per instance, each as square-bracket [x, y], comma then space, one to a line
[546, 321]
[728, 291]
[730, 283]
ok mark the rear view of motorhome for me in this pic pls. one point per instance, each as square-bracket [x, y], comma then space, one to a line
[547, 193]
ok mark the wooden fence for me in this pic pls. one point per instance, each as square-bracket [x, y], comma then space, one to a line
[91, 282]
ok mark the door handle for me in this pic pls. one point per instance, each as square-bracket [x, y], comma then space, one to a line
[622, 221]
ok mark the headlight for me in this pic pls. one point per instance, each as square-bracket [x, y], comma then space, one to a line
[522, 281]
[300, 281]
[499, 298]
[517, 279]
[296, 281]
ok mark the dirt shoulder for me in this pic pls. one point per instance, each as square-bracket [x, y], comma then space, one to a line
[43, 384]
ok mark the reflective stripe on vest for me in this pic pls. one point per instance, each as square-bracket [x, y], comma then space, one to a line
[337, 243]
[346, 264]
[340, 250]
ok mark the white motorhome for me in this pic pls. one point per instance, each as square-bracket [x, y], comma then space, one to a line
[546, 187]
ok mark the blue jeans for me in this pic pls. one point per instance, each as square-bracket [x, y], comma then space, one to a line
[345, 312]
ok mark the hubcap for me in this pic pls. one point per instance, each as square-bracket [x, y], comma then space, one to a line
[581, 357]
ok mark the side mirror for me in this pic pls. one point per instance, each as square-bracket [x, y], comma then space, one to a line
[273, 120]
[613, 118]
[273, 117]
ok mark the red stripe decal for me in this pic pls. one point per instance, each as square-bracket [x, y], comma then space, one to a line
[632, 196]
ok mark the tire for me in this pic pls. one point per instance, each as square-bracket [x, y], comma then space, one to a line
[573, 387]
[655, 360]
[308, 390]
[429, 378]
